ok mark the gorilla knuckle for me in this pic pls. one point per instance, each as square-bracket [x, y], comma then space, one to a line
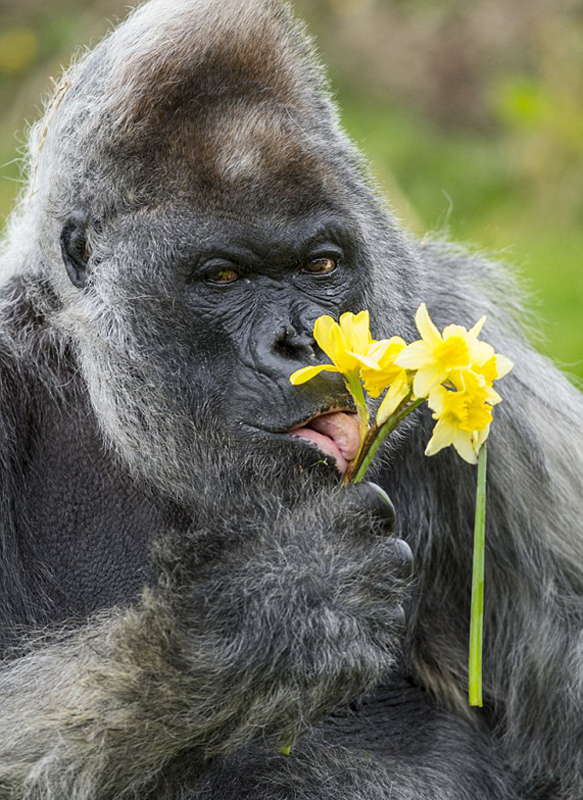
[371, 497]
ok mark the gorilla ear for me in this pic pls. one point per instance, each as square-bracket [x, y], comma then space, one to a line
[74, 249]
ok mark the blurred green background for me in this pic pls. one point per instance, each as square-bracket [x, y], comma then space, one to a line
[471, 114]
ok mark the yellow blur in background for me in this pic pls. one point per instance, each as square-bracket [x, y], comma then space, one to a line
[18, 49]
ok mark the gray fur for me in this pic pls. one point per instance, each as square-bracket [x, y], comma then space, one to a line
[188, 692]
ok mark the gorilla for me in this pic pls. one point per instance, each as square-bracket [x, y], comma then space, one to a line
[186, 590]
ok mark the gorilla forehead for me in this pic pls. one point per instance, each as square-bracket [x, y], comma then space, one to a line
[235, 102]
[220, 48]
[244, 163]
[270, 239]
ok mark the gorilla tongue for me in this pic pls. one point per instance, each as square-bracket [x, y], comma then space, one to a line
[335, 434]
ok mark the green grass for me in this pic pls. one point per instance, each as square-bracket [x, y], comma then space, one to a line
[553, 265]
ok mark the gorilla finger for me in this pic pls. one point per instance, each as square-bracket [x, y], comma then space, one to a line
[377, 502]
[403, 556]
[400, 619]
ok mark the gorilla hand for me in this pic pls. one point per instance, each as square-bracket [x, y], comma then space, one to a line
[259, 625]
[292, 608]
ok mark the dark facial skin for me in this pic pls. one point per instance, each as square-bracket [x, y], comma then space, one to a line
[260, 293]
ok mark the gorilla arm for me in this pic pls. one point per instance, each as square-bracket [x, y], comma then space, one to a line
[252, 629]
[145, 697]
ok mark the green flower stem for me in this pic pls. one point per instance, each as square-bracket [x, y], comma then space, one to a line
[357, 392]
[477, 612]
[388, 427]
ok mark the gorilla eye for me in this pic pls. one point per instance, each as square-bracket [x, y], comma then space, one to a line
[320, 266]
[222, 277]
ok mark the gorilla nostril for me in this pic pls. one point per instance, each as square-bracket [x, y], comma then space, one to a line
[302, 341]
[289, 342]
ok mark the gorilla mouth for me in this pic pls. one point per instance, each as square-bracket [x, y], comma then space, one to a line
[334, 433]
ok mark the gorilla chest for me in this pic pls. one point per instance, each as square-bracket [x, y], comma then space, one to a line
[84, 528]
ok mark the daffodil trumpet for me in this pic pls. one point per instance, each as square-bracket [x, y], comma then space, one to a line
[454, 372]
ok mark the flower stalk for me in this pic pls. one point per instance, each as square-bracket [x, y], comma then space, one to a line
[355, 388]
[477, 610]
[374, 439]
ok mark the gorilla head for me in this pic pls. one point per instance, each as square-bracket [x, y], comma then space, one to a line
[197, 208]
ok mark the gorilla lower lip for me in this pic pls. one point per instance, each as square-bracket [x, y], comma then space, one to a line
[335, 434]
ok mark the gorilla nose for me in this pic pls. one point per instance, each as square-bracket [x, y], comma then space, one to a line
[289, 343]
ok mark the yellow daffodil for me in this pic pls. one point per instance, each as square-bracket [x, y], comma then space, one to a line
[463, 419]
[496, 367]
[436, 356]
[455, 373]
[385, 373]
[346, 343]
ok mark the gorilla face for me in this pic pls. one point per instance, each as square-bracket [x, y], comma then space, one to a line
[227, 303]
[204, 228]
[254, 297]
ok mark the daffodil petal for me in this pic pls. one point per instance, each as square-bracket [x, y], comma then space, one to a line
[397, 392]
[341, 355]
[503, 365]
[378, 349]
[376, 381]
[492, 396]
[443, 435]
[366, 361]
[481, 437]
[427, 379]
[426, 328]
[356, 330]
[415, 355]
[396, 341]
[436, 400]
[307, 373]
[476, 330]
[480, 352]
[324, 328]
[464, 447]
[458, 378]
